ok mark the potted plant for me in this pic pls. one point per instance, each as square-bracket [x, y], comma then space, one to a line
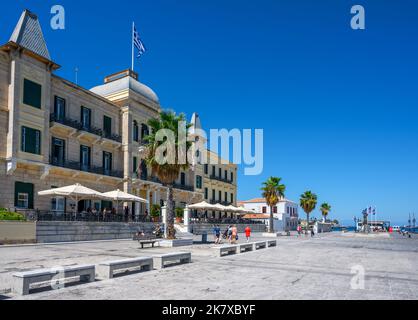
[179, 215]
[155, 212]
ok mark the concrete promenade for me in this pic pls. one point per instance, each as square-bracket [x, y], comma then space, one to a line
[299, 268]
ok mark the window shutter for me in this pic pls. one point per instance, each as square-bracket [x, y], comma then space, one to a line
[32, 94]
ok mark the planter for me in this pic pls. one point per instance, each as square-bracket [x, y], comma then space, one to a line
[179, 220]
[156, 219]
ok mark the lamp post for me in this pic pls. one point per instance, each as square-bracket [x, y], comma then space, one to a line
[355, 224]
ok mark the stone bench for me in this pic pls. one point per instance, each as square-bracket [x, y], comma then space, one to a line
[181, 257]
[245, 247]
[271, 243]
[105, 270]
[227, 250]
[260, 245]
[144, 242]
[23, 280]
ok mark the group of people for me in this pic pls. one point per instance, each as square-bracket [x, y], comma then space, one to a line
[230, 234]
[300, 230]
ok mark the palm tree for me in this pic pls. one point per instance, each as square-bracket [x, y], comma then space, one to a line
[308, 202]
[273, 192]
[325, 209]
[168, 172]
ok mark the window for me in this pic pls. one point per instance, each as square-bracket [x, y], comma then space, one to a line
[107, 162]
[58, 152]
[264, 209]
[198, 182]
[226, 196]
[220, 172]
[32, 94]
[59, 109]
[213, 170]
[183, 179]
[144, 170]
[213, 195]
[206, 193]
[107, 126]
[85, 159]
[206, 169]
[58, 205]
[31, 140]
[275, 209]
[232, 198]
[144, 131]
[85, 118]
[135, 165]
[220, 196]
[226, 175]
[24, 195]
[136, 131]
[232, 177]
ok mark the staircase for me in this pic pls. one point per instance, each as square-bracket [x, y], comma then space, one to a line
[181, 231]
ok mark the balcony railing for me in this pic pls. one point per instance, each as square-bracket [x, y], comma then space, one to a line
[213, 177]
[75, 165]
[79, 126]
[183, 187]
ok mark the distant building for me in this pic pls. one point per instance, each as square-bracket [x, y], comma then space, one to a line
[285, 213]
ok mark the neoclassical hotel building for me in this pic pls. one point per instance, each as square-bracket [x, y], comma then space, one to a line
[54, 133]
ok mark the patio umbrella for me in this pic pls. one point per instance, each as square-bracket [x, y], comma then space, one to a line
[202, 206]
[75, 192]
[118, 195]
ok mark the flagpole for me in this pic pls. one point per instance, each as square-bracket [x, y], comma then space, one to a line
[133, 49]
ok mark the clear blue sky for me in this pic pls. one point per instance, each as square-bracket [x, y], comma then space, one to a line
[338, 106]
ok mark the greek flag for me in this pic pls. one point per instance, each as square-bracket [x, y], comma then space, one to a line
[138, 43]
[374, 211]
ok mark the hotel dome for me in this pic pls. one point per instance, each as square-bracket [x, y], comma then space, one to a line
[124, 81]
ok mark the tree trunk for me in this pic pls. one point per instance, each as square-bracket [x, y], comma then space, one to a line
[307, 223]
[271, 221]
[171, 231]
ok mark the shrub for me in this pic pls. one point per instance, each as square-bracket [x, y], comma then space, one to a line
[10, 216]
[179, 212]
[155, 210]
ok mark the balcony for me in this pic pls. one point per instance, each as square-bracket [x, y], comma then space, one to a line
[183, 187]
[213, 177]
[75, 165]
[79, 126]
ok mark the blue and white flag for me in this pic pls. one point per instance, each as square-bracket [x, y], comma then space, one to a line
[138, 43]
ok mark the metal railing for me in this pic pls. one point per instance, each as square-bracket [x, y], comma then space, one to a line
[224, 221]
[79, 126]
[226, 180]
[54, 216]
[75, 165]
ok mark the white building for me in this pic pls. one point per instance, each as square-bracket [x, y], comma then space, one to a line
[285, 213]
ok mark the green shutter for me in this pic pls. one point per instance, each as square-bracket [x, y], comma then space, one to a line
[31, 140]
[21, 187]
[32, 94]
[107, 125]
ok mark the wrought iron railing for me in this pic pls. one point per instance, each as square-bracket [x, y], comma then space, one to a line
[214, 177]
[75, 165]
[79, 126]
[39, 215]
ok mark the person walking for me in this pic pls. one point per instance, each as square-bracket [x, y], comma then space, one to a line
[234, 234]
[217, 234]
[230, 234]
[248, 233]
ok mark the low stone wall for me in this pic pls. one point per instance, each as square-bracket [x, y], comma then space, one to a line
[12, 232]
[48, 232]
[199, 228]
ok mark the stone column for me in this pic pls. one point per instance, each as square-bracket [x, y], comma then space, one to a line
[149, 202]
[186, 218]
[164, 219]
